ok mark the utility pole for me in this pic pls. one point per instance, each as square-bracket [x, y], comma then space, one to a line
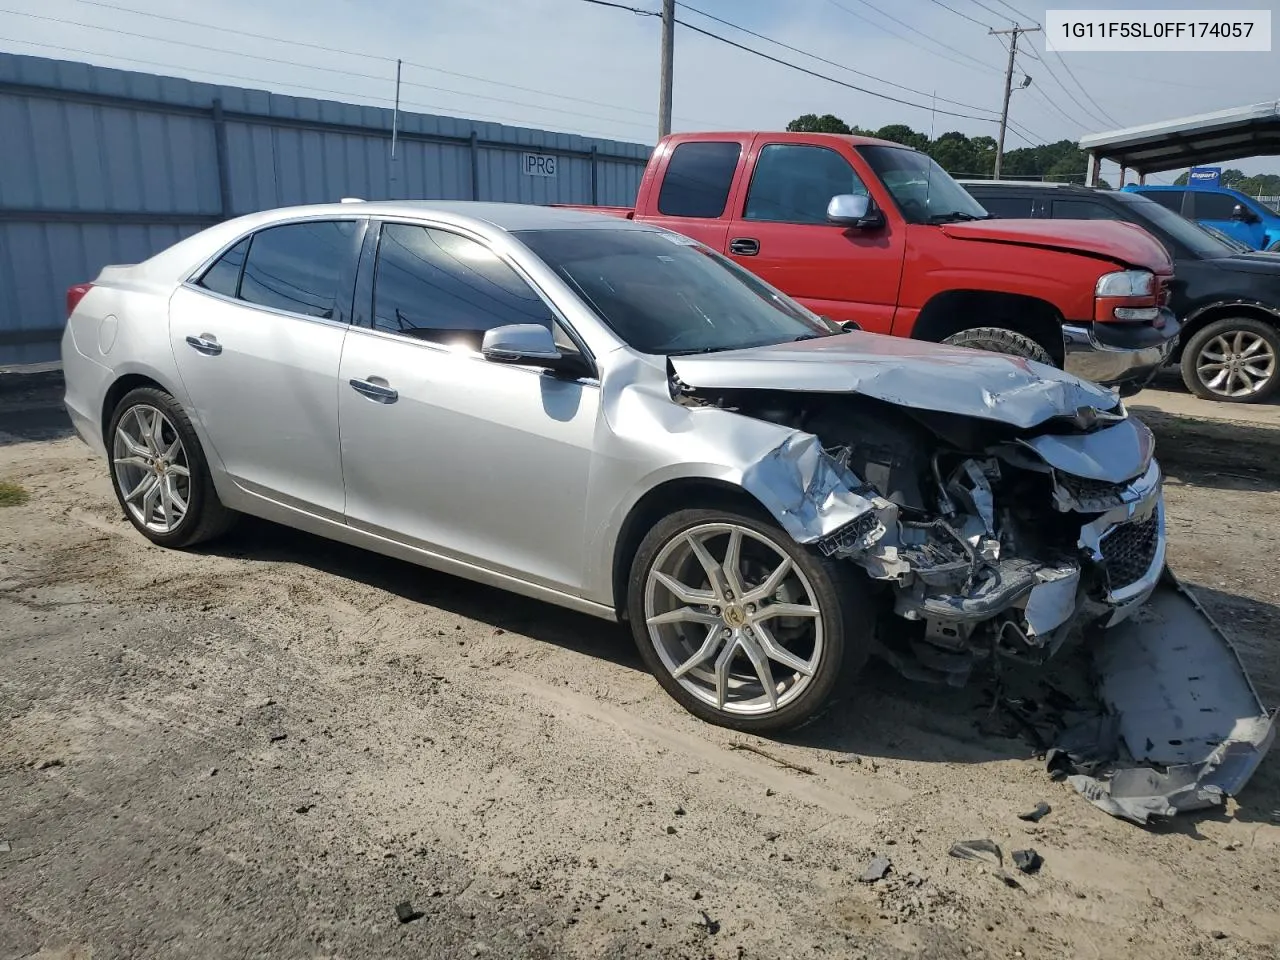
[1008, 88]
[668, 51]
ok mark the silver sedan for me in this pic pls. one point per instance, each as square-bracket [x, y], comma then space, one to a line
[614, 418]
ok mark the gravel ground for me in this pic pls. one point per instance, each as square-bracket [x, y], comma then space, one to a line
[260, 749]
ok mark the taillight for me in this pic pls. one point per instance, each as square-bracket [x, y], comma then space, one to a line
[75, 294]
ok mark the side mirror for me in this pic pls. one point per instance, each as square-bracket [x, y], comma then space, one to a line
[1243, 213]
[850, 326]
[854, 210]
[532, 344]
[527, 343]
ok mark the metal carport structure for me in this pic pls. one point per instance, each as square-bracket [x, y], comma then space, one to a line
[1248, 131]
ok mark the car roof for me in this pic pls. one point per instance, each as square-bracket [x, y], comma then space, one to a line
[504, 216]
[1035, 184]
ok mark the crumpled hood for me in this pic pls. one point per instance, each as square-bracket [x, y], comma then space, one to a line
[910, 373]
[1125, 243]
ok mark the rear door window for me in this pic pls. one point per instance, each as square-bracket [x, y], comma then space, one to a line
[698, 179]
[1012, 208]
[1083, 210]
[299, 267]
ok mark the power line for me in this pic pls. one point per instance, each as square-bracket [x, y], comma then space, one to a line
[221, 75]
[822, 76]
[374, 56]
[959, 13]
[973, 65]
[1002, 16]
[1035, 54]
[349, 73]
[814, 56]
[1024, 16]
[1088, 96]
[921, 33]
[622, 6]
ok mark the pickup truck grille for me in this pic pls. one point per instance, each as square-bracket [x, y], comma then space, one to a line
[1127, 551]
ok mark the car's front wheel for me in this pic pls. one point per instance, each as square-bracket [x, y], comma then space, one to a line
[742, 625]
[1233, 360]
[159, 471]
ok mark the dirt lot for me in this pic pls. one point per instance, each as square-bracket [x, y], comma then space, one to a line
[260, 749]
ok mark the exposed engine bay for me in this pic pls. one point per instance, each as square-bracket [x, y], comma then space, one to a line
[992, 543]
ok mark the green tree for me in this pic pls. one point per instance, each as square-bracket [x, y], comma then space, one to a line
[812, 123]
[901, 133]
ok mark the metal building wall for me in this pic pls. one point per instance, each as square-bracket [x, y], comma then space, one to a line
[104, 166]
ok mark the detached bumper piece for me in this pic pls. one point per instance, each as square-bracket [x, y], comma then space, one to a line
[1184, 728]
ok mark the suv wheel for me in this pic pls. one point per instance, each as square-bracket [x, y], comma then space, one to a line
[1235, 360]
[742, 625]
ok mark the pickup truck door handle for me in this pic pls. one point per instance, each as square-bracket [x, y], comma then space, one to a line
[375, 391]
[744, 246]
[206, 343]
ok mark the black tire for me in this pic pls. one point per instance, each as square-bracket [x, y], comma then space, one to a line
[205, 517]
[1000, 340]
[1228, 328]
[839, 589]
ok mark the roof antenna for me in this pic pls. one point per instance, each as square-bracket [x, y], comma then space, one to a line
[928, 176]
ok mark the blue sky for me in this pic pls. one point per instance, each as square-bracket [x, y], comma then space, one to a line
[570, 65]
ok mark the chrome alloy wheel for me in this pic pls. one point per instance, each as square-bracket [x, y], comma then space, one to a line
[733, 619]
[151, 469]
[1236, 364]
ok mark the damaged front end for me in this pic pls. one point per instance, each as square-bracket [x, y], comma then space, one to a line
[993, 544]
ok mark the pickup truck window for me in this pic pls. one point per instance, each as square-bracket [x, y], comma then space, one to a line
[665, 294]
[1213, 206]
[698, 178]
[793, 183]
[924, 192]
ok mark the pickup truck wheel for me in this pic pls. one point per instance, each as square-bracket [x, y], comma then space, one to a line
[1234, 360]
[1000, 340]
[742, 625]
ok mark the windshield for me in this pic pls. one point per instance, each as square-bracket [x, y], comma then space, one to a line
[666, 294]
[1202, 244]
[1231, 242]
[924, 192]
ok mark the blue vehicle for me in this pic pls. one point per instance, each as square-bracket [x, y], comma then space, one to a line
[1236, 214]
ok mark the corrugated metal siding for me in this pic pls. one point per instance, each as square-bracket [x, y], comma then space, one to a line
[109, 166]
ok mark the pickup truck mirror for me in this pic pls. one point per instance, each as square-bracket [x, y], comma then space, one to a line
[854, 210]
[1239, 212]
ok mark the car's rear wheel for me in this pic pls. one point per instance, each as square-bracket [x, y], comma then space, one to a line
[1000, 340]
[742, 625]
[159, 471]
[1235, 360]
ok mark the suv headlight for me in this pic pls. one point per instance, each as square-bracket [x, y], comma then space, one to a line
[1126, 283]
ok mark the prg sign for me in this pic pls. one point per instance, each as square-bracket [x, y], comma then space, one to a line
[538, 164]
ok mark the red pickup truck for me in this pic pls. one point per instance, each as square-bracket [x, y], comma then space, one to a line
[877, 233]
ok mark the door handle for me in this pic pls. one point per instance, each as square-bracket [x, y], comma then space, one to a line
[744, 246]
[206, 343]
[375, 391]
